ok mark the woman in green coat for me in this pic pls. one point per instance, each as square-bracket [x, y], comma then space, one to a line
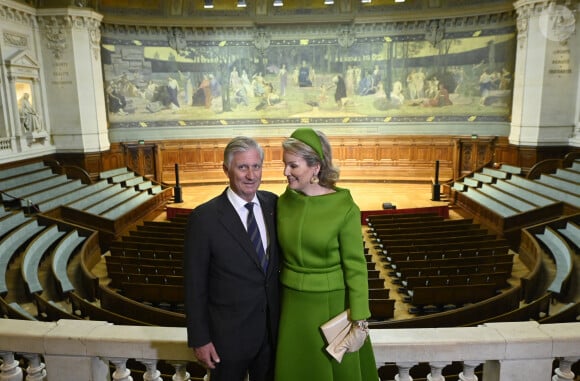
[323, 270]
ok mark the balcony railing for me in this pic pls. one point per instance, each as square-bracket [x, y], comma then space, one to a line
[86, 350]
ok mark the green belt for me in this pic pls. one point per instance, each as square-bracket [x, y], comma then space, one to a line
[308, 279]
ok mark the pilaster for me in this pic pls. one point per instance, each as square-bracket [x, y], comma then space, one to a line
[546, 75]
[70, 39]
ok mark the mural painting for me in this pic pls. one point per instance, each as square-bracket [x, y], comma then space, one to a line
[432, 76]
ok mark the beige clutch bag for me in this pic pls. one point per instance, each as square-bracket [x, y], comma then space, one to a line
[334, 332]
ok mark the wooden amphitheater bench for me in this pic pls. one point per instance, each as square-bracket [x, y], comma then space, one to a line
[533, 197]
[162, 234]
[160, 239]
[162, 228]
[497, 304]
[70, 197]
[141, 249]
[125, 306]
[50, 310]
[499, 279]
[534, 310]
[110, 202]
[429, 239]
[23, 175]
[442, 254]
[572, 232]
[505, 268]
[10, 244]
[436, 263]
[62, 253]
[379, 293]
[86, 309]
[125, 206]
[547, 190]
[144, 261]
[410, 221]
[120, 279]
[154, 293]
[514, 201]
[13, 310]
[131, 267]
[34, 253]
[568, 314]
[453, 294]
[376, 283]
[100, 194]
[12, 220]
[483, 243]
[564, 257]
[443, 225]
[44, 195]
[382, 309]
[22, 170]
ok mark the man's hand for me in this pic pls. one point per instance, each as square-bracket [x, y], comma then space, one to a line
[207, 355]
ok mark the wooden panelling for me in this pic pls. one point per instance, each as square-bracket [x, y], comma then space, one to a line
[374, 158]
[359, 158]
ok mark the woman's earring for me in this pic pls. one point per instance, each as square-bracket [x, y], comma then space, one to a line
[314, 179]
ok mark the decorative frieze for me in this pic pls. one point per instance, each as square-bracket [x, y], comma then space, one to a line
[19, 15]
[435, 29]
[15, 40]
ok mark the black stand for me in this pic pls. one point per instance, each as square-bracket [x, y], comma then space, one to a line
[177, 198]
[436, 187]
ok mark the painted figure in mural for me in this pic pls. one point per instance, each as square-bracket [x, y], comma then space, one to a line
[173, 91]
[485, 84]
[367, 84]
[215, 86]
[304, 79]
[28, 116]
[440, 99]
[419, 81]
[117, 101]
[349, 80]
[246, 82]
[235, 81]
[283, 76]
[186, 85]
[397, 97]
[205, 87]
[340, 92]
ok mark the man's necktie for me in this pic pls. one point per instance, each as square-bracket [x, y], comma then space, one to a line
[254, 233]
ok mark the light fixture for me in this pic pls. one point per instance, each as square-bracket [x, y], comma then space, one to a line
[399, 1]
[328, 2]
[365, 1]
[208, 4]
[278, 3]
[242, 4]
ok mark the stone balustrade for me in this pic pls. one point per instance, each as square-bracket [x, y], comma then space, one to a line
[84, 350]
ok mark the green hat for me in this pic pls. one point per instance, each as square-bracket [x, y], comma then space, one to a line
[309, 137]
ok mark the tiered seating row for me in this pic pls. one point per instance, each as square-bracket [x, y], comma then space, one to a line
[382, 307]
[450, 254]
[147, 267]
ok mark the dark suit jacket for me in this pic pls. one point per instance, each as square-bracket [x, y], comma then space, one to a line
[229, 300]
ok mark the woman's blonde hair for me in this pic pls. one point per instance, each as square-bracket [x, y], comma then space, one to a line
[328, 174]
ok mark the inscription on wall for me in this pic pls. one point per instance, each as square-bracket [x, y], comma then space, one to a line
[61, 74]
[560, 62]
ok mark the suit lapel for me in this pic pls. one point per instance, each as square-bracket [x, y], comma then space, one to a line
[269, 220]
[231, 222]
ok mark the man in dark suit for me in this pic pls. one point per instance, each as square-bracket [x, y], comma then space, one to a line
[232, 295]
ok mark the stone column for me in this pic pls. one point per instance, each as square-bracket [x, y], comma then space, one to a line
[70, 44]
[546, 73]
